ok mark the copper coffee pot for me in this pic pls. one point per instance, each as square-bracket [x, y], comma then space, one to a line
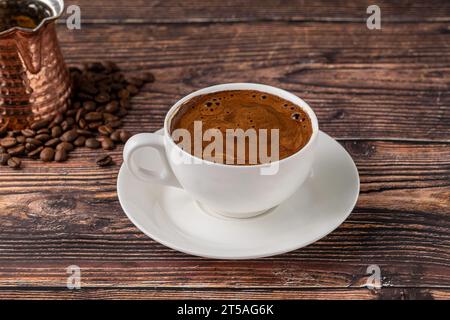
[35, 82]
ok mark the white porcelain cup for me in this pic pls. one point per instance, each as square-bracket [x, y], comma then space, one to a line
[237, 191]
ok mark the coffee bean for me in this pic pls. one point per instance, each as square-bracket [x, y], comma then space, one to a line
[56, 132]
[17, 150]
[14, 163]
[125, 103]
[39, 124]
[35, 153]
[85, 96]
[43, 130]
[85, 133]
[59, 118]
[95, 66]
[82, 123]
[28, 133]
[117, 77]
[92, 143]
[104, 160]
[111, 67]
[133, 90]
[79, 115]
[51, 126]
[112, 107]
[8, 142]
[47, 154]
[124, 136]
[115, 124]
[80, 141]
[65, 126]
[70, 121]
[42, 137]
[102, 97]
[30, 146]
[88, 88]
[93, 116]
[34, 141]
[124, 93]
[101, 138]
[138, 82]
[107, 144]
[122, 112]
[74, 70]
[89, 106]
[115, 136]
[69, 136]
[76, 105]
[95, 125]
[110, 117]
[67, 146]
[60, 155]
[148, 77]
[105, 130]
[20, 139]
[116, 86]
[71, 113]
[52, 142]
[4, 157]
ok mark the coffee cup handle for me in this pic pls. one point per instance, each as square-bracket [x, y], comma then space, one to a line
[155, 141]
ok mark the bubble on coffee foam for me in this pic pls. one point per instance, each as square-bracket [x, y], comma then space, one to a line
[298, 117]
[211, 107]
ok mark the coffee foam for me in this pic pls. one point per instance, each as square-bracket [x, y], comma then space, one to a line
[246, 109]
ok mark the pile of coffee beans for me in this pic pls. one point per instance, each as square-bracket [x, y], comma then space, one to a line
[100, 99]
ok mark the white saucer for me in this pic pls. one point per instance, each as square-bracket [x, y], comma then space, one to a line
[168, 215]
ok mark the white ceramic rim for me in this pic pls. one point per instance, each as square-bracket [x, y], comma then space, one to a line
[245, 86]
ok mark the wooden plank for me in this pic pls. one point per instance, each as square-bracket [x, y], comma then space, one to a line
[201, 11]
[319, 293]
[384, 94]
[288, 271]
[361, 84]
[64, 214]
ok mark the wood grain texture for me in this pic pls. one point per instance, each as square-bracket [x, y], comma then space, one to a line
[360, 83]
[385, 95]
[203, 11]
[164, 294]
[69, 214]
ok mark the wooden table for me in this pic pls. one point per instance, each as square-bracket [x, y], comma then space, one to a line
[383, 94]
